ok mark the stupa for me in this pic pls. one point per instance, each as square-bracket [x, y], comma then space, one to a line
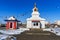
[35, 21]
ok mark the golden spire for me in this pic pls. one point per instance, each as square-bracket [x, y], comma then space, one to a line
[35, 5]
[35, 9]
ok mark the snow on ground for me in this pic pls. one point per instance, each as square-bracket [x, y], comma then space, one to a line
[3, 37]
[7, 33]
[18, 31]
[55, 30]
[47, 29]
[13, 32]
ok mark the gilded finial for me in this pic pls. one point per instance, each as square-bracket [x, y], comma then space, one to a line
[35, 9]
[35, 5]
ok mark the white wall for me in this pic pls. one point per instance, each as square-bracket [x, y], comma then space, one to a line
[29, 24]
[43, 24]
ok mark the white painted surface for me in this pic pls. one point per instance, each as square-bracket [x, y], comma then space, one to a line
[35, 16]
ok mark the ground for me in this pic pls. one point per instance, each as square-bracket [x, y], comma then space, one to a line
[37, 35]
[33, 34]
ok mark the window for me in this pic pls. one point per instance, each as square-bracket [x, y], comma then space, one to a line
[35, 23]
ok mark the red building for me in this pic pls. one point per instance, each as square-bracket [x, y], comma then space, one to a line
[12, 23]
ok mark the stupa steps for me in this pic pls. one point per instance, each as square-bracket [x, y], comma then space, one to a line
[36, 32]
[37, 35]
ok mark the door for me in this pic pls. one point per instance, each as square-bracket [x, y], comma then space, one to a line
[10, 25]
[36, 25]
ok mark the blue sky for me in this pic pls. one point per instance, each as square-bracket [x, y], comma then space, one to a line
[22, 9]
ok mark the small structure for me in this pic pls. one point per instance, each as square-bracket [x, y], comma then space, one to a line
[35, 21]
[57, 22]
[12, 23]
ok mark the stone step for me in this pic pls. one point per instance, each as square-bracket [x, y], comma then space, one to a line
[37, 33]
